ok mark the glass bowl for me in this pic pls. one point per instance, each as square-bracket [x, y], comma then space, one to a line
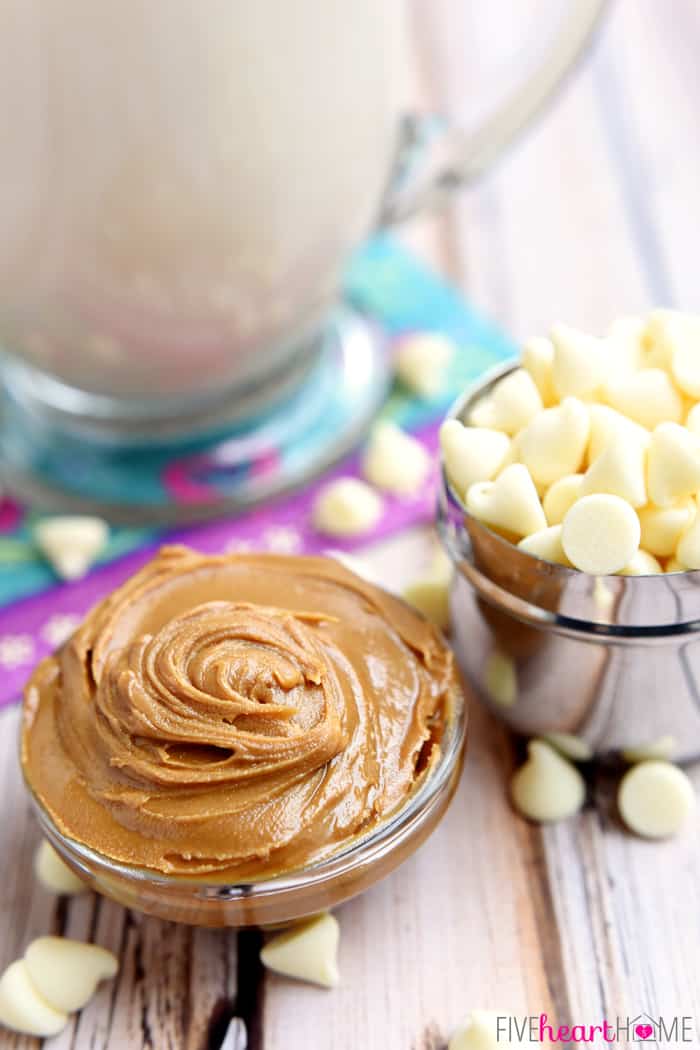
[291, 896]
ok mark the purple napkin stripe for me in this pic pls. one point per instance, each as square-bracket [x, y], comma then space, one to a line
[32, 628]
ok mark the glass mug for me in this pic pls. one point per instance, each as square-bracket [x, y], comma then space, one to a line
[183, 183]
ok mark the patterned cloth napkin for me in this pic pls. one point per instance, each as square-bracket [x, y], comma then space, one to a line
[37, 612]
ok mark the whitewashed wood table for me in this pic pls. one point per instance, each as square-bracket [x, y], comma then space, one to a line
[597, 213]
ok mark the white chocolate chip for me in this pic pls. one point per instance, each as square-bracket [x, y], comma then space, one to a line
[482, 1030]
[692, 421]
[307, 952]
[685, 369]
[648, 397]
[538, 358]
[579, 368]
[607, 425]
[642, 564]
[688, 549]
[53, 874]
[683, 337]
[430, 595]
[510, 502]
[658, 338]
[547, 787]
[625, 343]
[346, 507]
[21, 1006]
[510, 406]
[655, 799]
[662, 527]
[560, 496]
[422, 361]
[546, 544]
[501, 678]
[674, 464]
[554, 442]
[663, 749]
[440, 563]
[395, 461]
[65, 972]
[570, 746]
[71, 544]
[600, 534]
[471, 453]
[513, 453]
[620, 470]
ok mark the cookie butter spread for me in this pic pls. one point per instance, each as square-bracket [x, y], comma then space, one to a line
[236, 716]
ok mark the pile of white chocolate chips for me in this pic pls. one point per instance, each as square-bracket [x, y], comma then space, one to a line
[589, 454]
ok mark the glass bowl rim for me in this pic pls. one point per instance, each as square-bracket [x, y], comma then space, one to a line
[362, 851]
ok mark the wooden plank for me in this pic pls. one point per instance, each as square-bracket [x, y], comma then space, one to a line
[588, 218]
[648, 89]
[628, 912]
[173, 980]
[562, 920]
[546, 237]
[408, 974]
[176, 985]
[453, 928]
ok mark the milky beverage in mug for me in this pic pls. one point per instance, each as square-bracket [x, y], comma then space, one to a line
[183, 181]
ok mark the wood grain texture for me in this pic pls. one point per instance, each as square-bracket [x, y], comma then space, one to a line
[594, 214]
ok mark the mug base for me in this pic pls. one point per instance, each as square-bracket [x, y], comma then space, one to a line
[213, 459]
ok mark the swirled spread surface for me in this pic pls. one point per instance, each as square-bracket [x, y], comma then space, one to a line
[236, 716]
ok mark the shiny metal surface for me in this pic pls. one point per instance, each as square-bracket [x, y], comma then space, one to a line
[614, 660]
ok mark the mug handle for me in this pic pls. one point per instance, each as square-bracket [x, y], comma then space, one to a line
[434, 159]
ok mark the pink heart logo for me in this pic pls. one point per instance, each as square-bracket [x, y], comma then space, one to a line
[644, 1031]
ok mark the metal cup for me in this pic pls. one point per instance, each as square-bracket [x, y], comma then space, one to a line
[613, 660]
